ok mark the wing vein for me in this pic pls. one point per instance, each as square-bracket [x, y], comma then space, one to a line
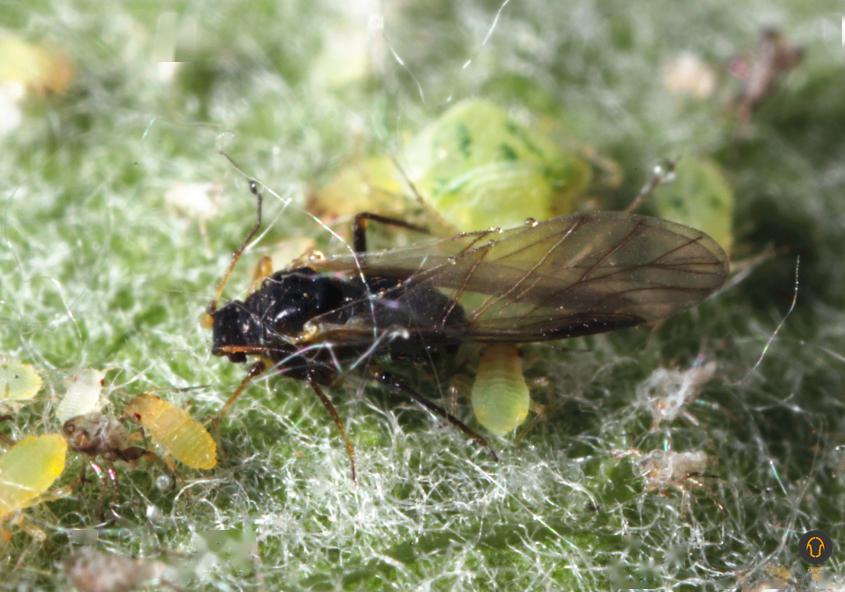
[493, 299]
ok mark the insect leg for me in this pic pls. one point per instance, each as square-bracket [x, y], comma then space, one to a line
[212, 306]
[111, 473]
[256, 370]
[359, 231]
[104, 484]
[350, 450]
[397, 385]
[82, 474]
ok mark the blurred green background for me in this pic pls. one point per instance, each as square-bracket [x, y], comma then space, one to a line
[98, 268]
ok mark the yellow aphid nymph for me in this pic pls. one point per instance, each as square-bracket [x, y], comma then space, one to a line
[28, 469]
[18, 382]
[173, 428]
[500, 397]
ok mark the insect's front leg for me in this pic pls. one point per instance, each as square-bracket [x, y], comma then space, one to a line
[108, 487]
[254, 372]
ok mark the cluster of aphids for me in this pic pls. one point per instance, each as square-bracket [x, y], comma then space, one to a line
[568, 276]
[149, 429]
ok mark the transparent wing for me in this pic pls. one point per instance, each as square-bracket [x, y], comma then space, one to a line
[572, 275]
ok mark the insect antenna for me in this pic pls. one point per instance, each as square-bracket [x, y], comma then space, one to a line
[212, 306]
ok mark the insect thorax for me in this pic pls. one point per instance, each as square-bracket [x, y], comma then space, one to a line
[275, 316]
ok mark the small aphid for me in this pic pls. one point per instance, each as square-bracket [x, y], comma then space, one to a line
[686, 74]
[38, 69]
[95, 434]
[173, 428]
[667, 392]
[478, 166]
[678, 470]
[99, 436]
[28, 470]
[775, 578]
[199, 202]
[18, 383]
[82, 395]
[90, 570]
[500, 397]
[699, 195]
[371, 183]
[763, 69]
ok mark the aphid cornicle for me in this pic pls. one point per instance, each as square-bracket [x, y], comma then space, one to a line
[565, 277]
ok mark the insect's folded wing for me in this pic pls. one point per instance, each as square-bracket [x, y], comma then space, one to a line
[571, 275]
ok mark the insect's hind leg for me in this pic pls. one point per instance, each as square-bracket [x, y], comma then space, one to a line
[398, 385]
[359, 231]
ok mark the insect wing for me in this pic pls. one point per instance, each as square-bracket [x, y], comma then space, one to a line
[568, 276]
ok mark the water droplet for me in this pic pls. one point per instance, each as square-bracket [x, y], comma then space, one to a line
[665, 169]
[452, 260]
[316, 257]
[152, 513]
[163, 482]
[531, 222]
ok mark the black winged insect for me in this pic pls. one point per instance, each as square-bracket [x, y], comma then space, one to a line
[565, 277]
